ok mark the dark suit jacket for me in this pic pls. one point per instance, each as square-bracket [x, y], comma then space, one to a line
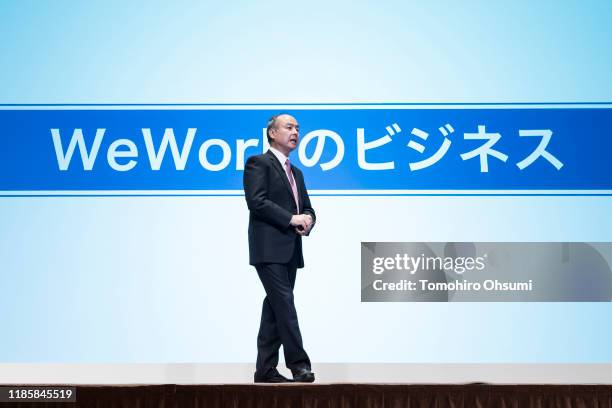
[271, 204]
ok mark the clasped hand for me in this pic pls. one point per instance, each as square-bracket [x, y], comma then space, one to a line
[302, 223]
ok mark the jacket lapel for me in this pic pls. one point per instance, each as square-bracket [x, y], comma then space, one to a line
[283, 175]
[299, 192]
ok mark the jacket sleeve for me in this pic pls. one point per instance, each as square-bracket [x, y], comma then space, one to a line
[255, 183]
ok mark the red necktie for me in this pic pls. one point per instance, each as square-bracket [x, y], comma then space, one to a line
[292, 184]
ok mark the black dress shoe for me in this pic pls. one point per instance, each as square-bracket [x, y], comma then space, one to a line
[303, 375]
[271, 377]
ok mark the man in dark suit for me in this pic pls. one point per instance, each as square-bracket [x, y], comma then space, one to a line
[280, 214]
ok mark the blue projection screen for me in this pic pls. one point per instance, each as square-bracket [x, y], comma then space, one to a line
[428, 132]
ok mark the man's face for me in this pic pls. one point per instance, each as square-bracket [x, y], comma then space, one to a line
[286, 134]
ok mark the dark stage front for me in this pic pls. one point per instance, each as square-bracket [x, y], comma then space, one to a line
[338, 395]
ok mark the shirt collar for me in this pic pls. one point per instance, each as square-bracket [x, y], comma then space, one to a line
[281, 157]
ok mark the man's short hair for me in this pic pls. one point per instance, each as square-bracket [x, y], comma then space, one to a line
[272, 124]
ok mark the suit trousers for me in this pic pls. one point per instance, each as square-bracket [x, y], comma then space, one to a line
[279, 322]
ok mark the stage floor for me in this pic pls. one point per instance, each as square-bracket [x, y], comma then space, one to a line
[326, 373]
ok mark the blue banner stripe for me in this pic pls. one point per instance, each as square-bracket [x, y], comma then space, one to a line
[408, 148]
